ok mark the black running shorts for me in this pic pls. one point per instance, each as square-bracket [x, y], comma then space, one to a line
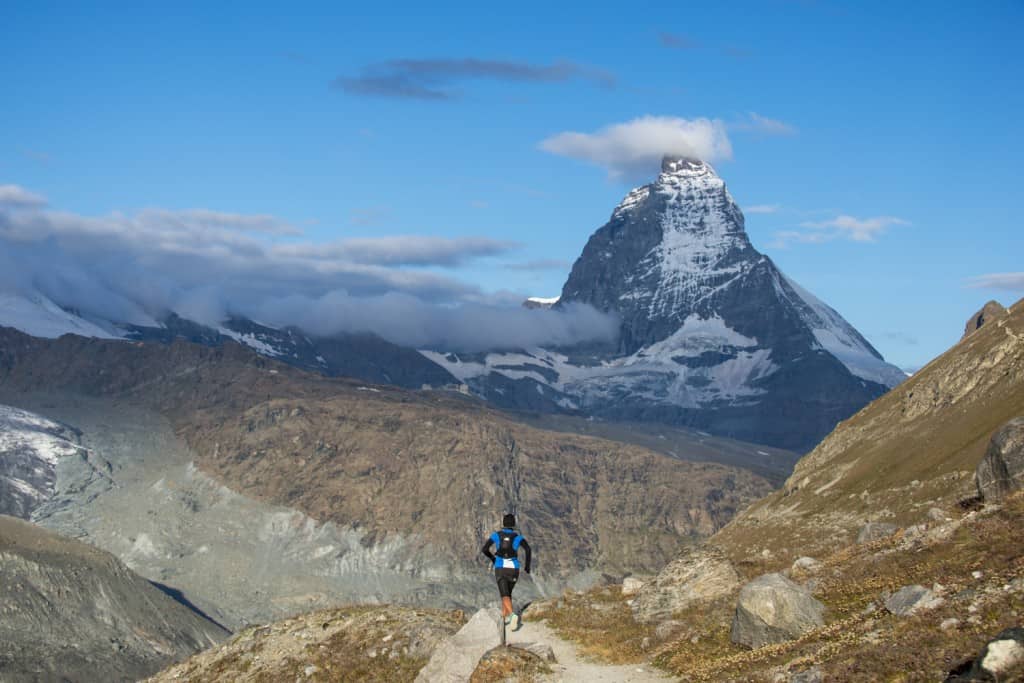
[506, 579]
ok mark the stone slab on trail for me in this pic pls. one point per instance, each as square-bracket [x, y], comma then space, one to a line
[456, 658]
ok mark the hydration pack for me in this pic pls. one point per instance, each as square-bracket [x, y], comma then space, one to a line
[506, 552]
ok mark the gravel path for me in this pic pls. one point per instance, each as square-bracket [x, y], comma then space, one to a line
[570, 667]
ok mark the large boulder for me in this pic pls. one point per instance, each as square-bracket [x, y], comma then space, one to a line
[701, 573]
[773, 609]
[1001, 471]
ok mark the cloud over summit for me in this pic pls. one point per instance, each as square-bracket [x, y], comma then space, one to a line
[634, 148]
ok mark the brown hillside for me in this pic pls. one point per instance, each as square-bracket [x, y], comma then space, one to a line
[910, 450]
[399, 464]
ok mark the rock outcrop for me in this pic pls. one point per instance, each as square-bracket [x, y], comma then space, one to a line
[989, 312]
[455, 659]
[1001, 471]
[700, 573]
[71, 612]
[773, 609]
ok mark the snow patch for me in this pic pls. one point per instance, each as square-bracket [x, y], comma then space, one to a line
[252, 341]
[36, 315]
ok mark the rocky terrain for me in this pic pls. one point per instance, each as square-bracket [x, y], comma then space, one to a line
[380, 644]
[233, 476]
[71, 612]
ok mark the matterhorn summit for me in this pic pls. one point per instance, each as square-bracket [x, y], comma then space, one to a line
[712, 334]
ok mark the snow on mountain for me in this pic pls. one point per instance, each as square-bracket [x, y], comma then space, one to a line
[38, 316]
[839, 338]
[30, 447]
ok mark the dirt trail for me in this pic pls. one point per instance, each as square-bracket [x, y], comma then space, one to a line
[570, 667]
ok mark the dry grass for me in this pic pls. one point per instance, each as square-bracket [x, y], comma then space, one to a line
[602, 624]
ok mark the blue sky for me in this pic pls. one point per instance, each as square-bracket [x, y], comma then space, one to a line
[902, 117]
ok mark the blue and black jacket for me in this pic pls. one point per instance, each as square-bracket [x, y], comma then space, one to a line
[507, 543]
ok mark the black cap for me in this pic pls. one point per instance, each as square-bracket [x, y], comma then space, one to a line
[509, 520]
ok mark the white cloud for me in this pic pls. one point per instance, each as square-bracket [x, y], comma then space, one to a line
[15, 196]
[755, 123]
[636, 147]
[762, 208]
[206, 264]
[1013, 282]
[841, 227]
[856, 229]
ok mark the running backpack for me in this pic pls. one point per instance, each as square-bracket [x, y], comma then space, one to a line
[507, 543]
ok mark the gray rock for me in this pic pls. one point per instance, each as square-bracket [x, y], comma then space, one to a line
[773, 609]
[937, 515]
[873, 531]
[702, 573]
[456, 658]
[911, 600]
[631, 585]
[807, 565]
[812, 675]
[1001, 471]
[989, 312]
[542, 650]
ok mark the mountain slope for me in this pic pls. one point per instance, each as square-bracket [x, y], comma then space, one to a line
[910, 450]
[72, 612]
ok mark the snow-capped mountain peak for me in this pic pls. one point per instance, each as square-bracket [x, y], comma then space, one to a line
[712, 333]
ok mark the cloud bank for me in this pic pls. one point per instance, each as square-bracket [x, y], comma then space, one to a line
[437, 79]
[635, 148]
[205, 265]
